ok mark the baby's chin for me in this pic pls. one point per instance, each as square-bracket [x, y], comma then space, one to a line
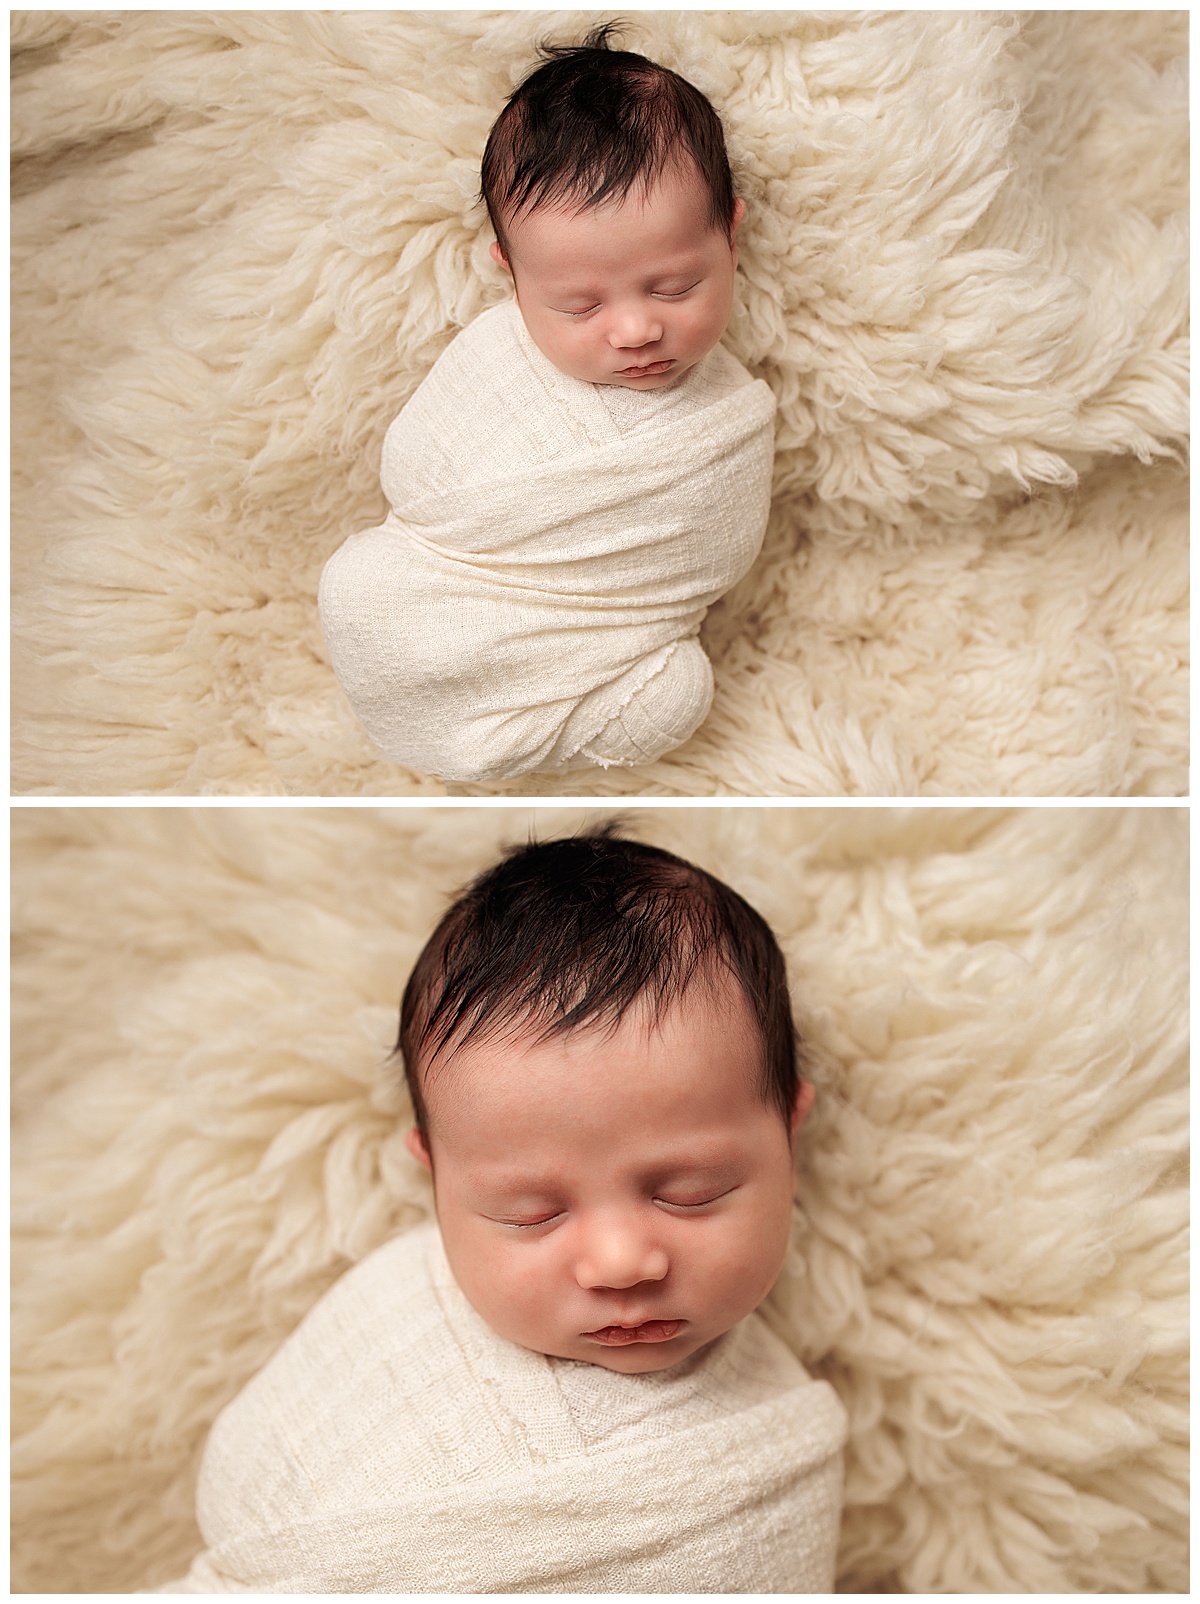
[646, 1361]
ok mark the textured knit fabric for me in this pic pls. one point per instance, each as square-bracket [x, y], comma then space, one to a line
[396, 1444]
[533, 598]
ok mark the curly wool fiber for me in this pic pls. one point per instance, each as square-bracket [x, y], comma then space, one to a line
[240, 240]
[989, 1260]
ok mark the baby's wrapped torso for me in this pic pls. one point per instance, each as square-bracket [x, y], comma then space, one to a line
[551, 549]
[396, 1444]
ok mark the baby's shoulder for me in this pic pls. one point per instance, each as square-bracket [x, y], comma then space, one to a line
[481, 359]
[725, 375]
[361, 1362]
[372, 1317]
[481, 411]
[394, 1279]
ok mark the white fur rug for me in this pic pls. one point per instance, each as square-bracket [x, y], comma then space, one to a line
[240, 240]
[990, 1258]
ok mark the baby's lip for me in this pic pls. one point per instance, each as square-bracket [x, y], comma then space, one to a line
[619, 1335]
[645, 367]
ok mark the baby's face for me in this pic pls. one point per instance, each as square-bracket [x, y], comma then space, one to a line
[619, 1199]
[631, 294]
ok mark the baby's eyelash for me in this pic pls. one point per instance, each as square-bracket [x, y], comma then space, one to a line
[526, 1225]
[701, 1204]
[661, 295]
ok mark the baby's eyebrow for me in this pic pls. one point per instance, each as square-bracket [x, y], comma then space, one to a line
[518, 1187]
[715, 1170]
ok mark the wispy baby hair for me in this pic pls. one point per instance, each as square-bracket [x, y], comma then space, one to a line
[590, 123]
[561, 934]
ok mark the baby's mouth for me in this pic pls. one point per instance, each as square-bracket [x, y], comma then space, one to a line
[647, 367]
[647, 1331]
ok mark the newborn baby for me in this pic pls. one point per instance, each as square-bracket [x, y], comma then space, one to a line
[585, 469]
[562, 1387]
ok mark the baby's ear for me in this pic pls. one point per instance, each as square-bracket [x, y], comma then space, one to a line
[499, 257]
[418, 1147]
[739, 211]
[805, 1093]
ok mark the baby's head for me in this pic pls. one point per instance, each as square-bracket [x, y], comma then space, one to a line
[608, 186]
[599, 1045]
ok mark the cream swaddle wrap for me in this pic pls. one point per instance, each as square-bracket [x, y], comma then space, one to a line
[533, 598]
[396, 1444]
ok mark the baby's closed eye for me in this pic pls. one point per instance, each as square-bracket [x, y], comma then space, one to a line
[692, 1201]
[658, 295]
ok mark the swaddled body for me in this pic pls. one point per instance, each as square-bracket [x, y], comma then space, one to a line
[533, 599]
[396, 1444]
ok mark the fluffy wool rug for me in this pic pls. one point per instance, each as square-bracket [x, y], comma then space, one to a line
[240, 240]
[989, 1259]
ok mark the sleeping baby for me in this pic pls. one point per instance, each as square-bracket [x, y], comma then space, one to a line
[585, 470]
[562, 1386]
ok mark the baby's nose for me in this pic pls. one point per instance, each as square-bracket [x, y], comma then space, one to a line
[617, 1256]
[630, 329]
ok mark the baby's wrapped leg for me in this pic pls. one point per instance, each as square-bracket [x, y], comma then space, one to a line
[660, 715]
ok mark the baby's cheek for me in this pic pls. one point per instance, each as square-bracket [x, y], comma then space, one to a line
[516, 1277]
[750, 1260]
[701, 330]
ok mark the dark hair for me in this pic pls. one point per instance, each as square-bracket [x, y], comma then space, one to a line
[560, 934]
[593, 121]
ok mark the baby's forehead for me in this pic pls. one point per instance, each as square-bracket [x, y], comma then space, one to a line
[506, 1036]
[521, 1025]
[712, 1007]
[678, 183]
